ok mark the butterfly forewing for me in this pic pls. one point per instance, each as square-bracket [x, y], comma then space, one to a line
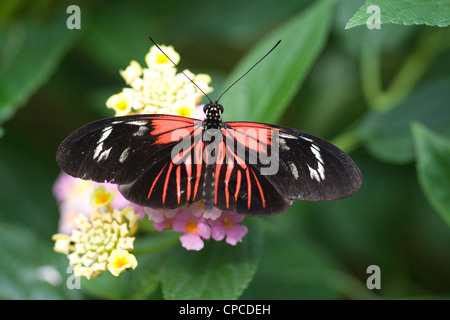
[120, 149]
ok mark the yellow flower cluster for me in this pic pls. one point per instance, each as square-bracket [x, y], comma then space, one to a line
[101, 241]
[159, 88]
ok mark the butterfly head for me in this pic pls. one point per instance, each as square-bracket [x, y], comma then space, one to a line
[212, 107]
[213, 112]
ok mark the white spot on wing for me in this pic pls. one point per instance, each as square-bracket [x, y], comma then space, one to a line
[318, 174]
[321, 171]
[141, 131]
[286, 135]
[105, 133]
[138, 122]
[283, 145]
[315, 149]
[124, 155]
[293, 169]
[104, 155]
[98, 150]
[307, 139]
[313, 173]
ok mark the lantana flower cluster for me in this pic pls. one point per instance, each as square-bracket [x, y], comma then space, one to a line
[159, 88]
[101, 241]
[97, 223]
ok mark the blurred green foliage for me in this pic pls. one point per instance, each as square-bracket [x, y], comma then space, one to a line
[380, 94]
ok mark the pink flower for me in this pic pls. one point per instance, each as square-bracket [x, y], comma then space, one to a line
[198, 210]
[228, 225]
[162, 219]
[195, 230]
[74, 197]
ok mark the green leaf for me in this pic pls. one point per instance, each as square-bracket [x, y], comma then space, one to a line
[406, 12]
[218, 271]
[433, 167]
[25, 189]
[267, 90]
[30, 269]
[387, 135]
[30, 55]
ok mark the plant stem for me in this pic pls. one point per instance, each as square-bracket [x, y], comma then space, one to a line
[348, 140]
[417, 63]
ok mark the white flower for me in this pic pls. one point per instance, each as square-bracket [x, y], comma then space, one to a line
[155, 59]
[159, 88]
[119, 103]
[132, 72]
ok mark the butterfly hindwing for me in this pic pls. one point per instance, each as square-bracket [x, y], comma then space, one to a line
[166, 185]
[173, 181]
[239, 186]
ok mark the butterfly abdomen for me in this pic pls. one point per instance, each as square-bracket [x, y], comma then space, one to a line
[209, 187]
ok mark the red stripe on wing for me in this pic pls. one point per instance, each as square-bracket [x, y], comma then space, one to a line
[154, 182]
[256, 139]
[198, 159]
[219, 161]
[249, 188]
[254, 130]
[178, 178]
[166, 126]
[185, 153]
[166, 182]
[238, 185]
[230, 167]
[238, 159]
[263, 200]
[188, 165]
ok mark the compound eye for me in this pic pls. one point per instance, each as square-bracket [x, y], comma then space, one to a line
[220, 108]
[205, 107]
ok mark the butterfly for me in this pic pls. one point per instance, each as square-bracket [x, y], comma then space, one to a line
[168, 161]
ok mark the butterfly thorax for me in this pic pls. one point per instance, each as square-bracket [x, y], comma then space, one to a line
[213, 112]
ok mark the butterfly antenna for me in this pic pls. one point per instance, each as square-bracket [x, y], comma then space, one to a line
[249, 70]
[210, 101]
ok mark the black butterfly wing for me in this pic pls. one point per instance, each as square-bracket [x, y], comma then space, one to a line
[173, 181]
[120, 149]
[299, 166]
